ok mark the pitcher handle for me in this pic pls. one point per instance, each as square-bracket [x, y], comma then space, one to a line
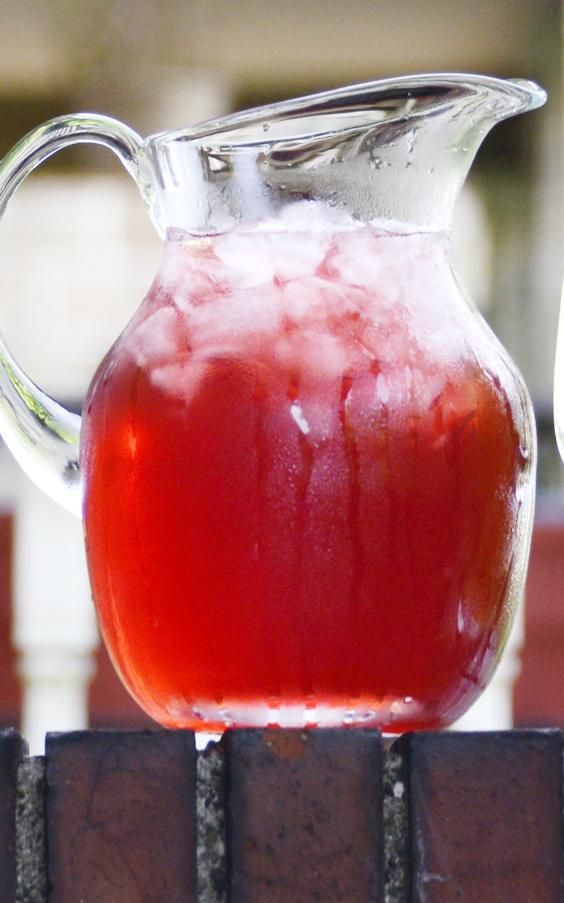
[42, 435]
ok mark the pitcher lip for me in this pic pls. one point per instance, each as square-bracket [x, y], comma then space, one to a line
[521, 94]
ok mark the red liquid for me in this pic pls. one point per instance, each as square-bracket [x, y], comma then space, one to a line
[307, 486]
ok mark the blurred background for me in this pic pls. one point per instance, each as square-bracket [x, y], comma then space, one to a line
[77, 253]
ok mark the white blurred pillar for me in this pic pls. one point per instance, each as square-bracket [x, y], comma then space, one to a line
[54, 626]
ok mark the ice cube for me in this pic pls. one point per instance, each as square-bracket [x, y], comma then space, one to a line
[244, 315]
[308, 216]
[192, 274]
[357, 258]
[258, 257]
[172, 378]
[159, 338]
[311, 298]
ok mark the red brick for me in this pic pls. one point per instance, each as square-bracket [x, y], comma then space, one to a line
[121, 821]
[304, 816]
[486, 817]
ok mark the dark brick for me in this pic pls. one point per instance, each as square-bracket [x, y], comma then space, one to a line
[31, 853]
[12, 749]
[304, 816]
[486, 817]
[121, 821]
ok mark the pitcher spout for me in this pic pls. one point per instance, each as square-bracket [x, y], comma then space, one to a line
[420, 155]
[450, 117]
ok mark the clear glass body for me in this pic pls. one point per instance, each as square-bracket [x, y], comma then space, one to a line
[308, 475]
[307, 466]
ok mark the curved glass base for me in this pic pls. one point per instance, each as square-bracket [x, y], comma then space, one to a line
[391, 717]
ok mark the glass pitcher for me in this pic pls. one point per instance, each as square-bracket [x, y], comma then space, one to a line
[306, 467]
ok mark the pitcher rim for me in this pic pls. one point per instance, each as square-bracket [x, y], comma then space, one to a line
[361, 97]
